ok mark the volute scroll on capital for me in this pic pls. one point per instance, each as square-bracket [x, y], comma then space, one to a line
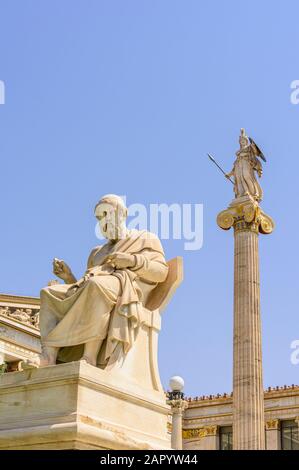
[245, 217]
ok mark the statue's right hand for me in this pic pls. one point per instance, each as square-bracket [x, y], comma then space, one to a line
[61, 269]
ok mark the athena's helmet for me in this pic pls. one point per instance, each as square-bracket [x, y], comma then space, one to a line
[244, 138]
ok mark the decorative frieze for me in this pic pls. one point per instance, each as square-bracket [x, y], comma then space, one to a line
[195, 433]
[27, 316]
[199, 433]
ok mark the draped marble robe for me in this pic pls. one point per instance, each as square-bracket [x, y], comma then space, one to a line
[244, 173]
[105, 306]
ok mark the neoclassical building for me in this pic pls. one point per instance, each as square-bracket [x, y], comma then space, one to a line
[207, 421]
[19, 329]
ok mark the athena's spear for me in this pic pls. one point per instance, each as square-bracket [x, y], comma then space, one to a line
[214, 161]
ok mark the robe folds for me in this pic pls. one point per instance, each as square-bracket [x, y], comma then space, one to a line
[244, 172]
[105, 303]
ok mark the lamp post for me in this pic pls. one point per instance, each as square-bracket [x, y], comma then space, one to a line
[178, 405]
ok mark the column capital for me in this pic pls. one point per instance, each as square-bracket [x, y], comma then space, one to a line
[245, 214]
[177, 405]
[272, 424]
[211, 430]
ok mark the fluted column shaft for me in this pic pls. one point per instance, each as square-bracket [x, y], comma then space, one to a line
[248, 220]
[248, 394]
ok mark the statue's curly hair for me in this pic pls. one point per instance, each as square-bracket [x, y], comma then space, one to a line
[115, 201]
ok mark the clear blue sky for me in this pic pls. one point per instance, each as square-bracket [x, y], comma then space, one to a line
[127, 97]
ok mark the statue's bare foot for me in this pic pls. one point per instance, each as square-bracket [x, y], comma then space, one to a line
[46, 358]
[91, 361]
[91, 350]
[29, 364]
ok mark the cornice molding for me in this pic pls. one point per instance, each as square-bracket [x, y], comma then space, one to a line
[19, 299]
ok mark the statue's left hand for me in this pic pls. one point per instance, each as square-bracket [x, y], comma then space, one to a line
[120, 260]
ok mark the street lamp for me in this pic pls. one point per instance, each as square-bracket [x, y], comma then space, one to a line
[175, 398]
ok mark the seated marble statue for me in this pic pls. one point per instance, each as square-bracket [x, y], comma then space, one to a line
[102, 309]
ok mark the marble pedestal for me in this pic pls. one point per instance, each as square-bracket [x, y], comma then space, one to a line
[78, 406]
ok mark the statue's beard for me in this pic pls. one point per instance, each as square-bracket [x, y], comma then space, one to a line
[113, 232]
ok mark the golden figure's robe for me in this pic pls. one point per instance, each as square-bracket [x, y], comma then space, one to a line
[244, 173]
[107, 305]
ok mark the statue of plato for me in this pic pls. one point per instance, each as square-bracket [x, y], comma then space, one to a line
[90, 316]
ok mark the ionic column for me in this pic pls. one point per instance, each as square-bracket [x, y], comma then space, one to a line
[211, 437]
[247, 219]
[273, 434]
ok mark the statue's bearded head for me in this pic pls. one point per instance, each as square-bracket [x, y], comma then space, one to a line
[243, 139]
[111, 213]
